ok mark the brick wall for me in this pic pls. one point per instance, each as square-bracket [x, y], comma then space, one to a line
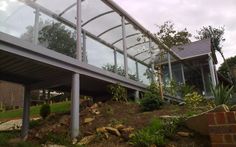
[222, 129]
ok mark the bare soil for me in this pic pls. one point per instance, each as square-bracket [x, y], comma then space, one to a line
[110, 114]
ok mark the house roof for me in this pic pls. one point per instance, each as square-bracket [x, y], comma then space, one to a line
[193, 49]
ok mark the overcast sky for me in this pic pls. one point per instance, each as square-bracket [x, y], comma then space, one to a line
[190, 14]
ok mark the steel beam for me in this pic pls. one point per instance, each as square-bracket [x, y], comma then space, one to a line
[126, 37]
[169, 66]
[124, 46]
[79, 31]
[111, 29]
[75, 96]
[182, 73]
[212, 71]
[26, 114]
[100, 15]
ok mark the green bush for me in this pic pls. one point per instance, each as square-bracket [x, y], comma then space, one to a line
[151, 135]
[222, 94]
[45, 110]
[118, 92]
[193, 99]
[151, 99]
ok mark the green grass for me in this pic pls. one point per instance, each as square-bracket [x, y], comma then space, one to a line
[34, 111]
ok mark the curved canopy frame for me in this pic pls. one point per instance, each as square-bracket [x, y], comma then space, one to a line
[112, 8]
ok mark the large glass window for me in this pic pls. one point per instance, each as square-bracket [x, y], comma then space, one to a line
[99, 55]
[132, 69]
[17, 19]
[143, 74]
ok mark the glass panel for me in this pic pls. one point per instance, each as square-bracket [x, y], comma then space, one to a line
[92, 8]
[99, 55]
[177, 73]
[60, 6]
[143, 70]
[17, 19]
[56, 36]
[103, 23]
[132, 69]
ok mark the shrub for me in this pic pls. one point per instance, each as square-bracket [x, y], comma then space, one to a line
[222, 94]
[151, 99]
[151, 135]
[45, 110]
[193, 99]
[118, 92]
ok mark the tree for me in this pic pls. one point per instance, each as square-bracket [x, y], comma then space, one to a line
[170, 36]
[120, 71]
[56, 37]
[223, 67]
[217, 37]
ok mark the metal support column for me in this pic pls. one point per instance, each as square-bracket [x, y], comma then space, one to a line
[85, 59]
[75, 95]
[203, 79]
[124, 46]
[137, 98]
[182, 72]
[36, 26]
[75, 87]
[212, 71]
[137, 72]
[169, 65]
[115, 61]
[79, 31]
[26, 114]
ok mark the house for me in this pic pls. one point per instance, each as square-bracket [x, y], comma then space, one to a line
[196, 67]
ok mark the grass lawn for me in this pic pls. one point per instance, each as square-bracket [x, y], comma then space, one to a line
[34, 111]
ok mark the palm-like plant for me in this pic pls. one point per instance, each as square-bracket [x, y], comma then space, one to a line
[222, 94]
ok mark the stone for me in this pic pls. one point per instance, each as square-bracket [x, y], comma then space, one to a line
[113, 131]
[233, 108]
[95, 111]
[119, 127]
[101, 130]
[199, 123]
[127, 130]
[94, 106]
[88, 120]
[220, 108]
[87, 140]
[181, 103]
[184, 134]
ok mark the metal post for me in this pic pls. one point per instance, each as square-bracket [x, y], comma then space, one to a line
[79, 31]
[137, 72]
[124, 46]
[36, 26]
[115, 60]
[169, 65]
[203, 79]
[75, 95]
[212, 71]
[182, 72]
[137, 98]
[85, 59]
[26, 114]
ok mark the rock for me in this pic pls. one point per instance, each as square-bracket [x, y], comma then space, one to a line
[95, 111]
[184, 134]
[94, 106]
[199, 123]
[181, 103]
[126, 133]
[119, 127]
[88, 120]
[87, 140]
[101, 130]
[233, 108]
[220, 108]
[74, 141]
[113, 131]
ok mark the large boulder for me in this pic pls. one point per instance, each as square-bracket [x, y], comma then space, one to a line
[199, 123]
[233, 108]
